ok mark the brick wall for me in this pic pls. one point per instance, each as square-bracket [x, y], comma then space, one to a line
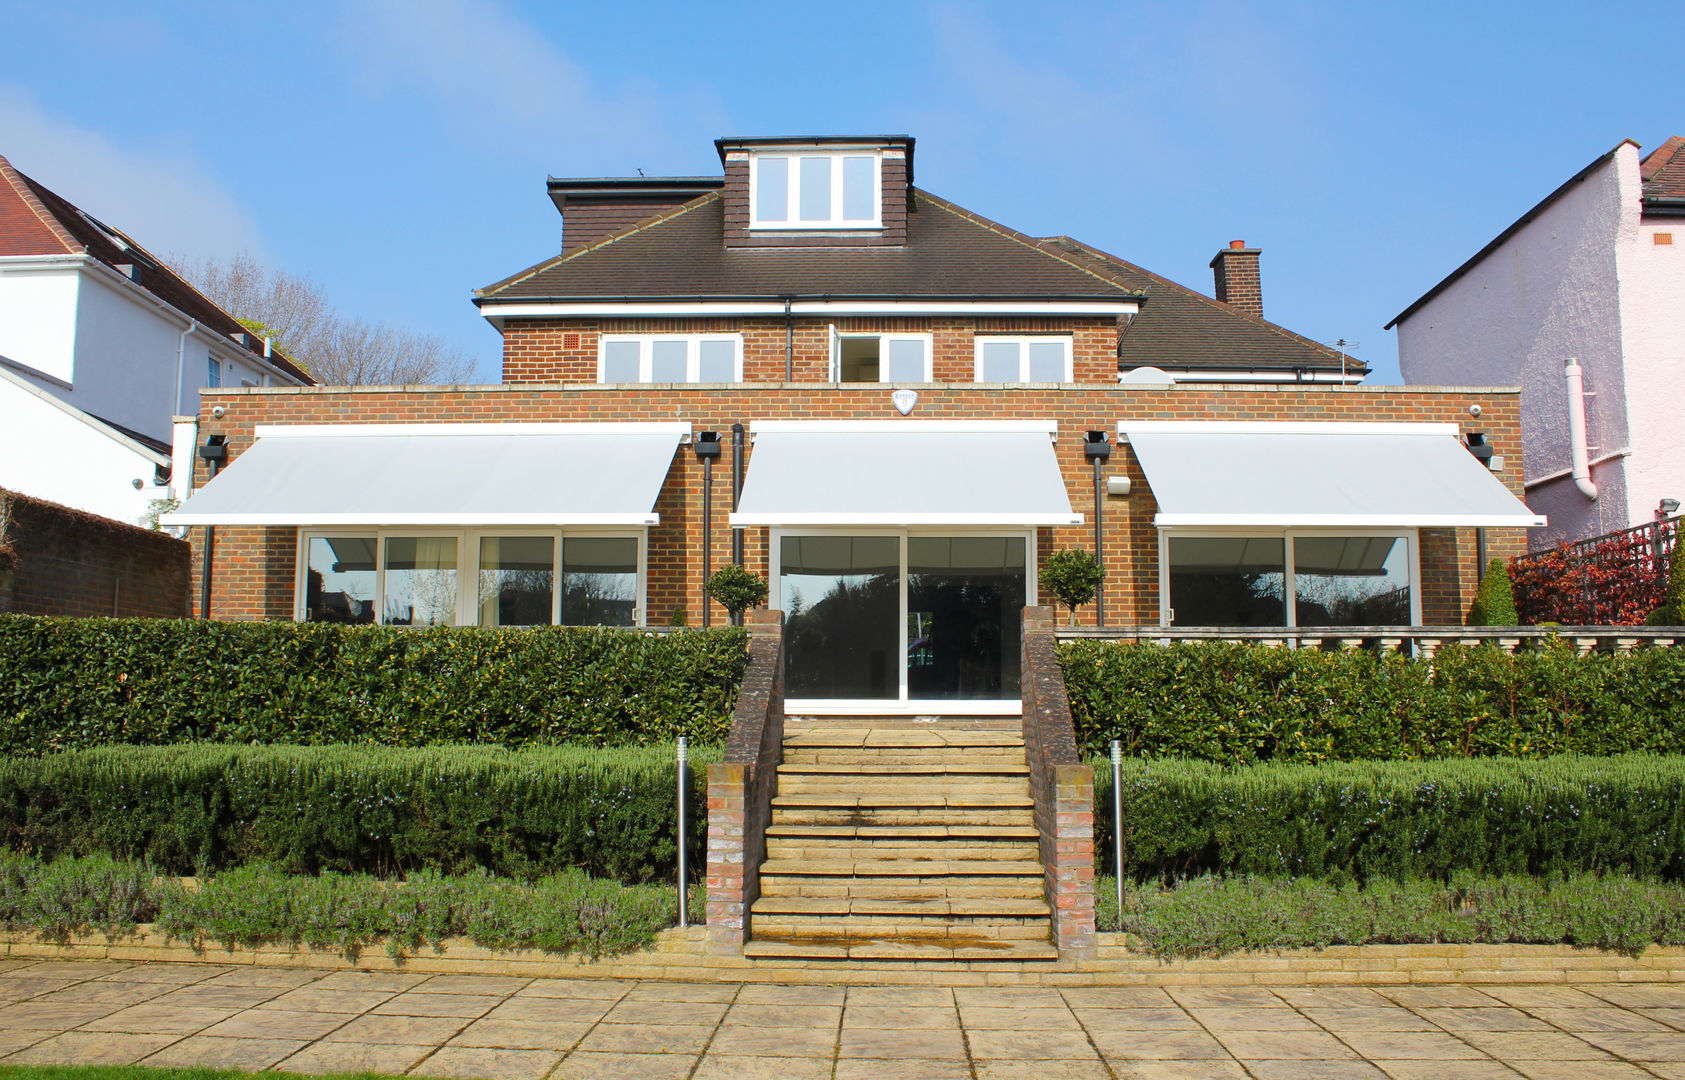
[253, 568]
[565, 350]
[59, 561]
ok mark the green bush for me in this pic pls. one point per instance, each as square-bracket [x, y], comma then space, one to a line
[1237, 703]
[69, 683]
[1372, 821]
[1212, 916]
[521, 814]
[736, 589]
[1672, 611]
[1494, 600]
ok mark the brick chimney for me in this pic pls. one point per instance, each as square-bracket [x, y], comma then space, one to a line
[1235, 269]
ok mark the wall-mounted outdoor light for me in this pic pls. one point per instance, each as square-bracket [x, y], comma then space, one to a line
[707, 447]
[1097, 448]
[1668, 507]
[1479, 447]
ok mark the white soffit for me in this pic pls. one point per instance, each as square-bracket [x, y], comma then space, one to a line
[442, 474]
[1309, 475]
[888, 473]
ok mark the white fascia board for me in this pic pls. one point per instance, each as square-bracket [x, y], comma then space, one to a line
[375, 520]
[903, 427]
[893, 520]
[1235, 376]
[1286, 427]
[1333, 521]
[676, 430]
[90, 420]
[725, 308]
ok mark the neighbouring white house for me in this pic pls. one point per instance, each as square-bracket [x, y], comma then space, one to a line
[101, 346]
[1581, 302]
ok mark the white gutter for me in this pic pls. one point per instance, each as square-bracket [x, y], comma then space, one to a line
[1237, 375]
[181, 359]
[1580, 453]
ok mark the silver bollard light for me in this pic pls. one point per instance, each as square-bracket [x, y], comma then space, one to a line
[684, 876]
[1117, 823]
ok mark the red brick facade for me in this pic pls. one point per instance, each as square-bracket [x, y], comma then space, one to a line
[253, 568]
[59, 561]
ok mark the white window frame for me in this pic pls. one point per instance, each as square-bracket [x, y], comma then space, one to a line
[928, 339]
[792, 193]
[213, 372]
[1023, 341]
[1411, 537]
[693, 353]
[901, 704]
[468, 559]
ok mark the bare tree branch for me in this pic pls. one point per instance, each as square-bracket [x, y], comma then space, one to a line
[337, 350]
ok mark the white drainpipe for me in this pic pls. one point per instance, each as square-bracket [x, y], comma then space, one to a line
[1581, 454]
[181, 359]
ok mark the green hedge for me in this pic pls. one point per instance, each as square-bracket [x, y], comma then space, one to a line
[1212, 916]
[1238, 703]
[527, 813]
[71, 683]
[1371, 820]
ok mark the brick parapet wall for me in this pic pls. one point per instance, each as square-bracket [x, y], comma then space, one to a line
[1062, 787]
[742, 784]
[55, 560]
[254, 567]
[565, 350]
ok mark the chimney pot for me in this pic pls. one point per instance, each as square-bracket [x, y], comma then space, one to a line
[1237, 245]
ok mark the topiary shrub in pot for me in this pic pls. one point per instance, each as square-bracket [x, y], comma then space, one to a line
[736, 589]
[1494, 601]
[1072, 577]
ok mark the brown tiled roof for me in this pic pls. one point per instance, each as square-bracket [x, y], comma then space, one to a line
[679, 254]
[1179, 328]
[34, 220]
[1663, 173]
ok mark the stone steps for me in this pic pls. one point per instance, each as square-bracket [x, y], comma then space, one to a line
[904, 841]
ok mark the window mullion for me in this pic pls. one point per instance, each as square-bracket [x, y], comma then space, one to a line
[1290, 607]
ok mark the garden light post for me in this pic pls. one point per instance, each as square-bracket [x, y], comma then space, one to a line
[684, 883]
[1117, 823]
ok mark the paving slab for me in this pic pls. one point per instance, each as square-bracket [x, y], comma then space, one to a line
[592, 1065]
[204, 1051]
[474, 1063]
[727, 1067]
[341, 1057]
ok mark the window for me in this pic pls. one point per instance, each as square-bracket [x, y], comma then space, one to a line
[1290, 579]
[670, 358]
[887, 358]
[815, 189]
[213, 371]
[411, 577]
[1023, 359]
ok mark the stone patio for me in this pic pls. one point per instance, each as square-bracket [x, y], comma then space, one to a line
[500, 1028]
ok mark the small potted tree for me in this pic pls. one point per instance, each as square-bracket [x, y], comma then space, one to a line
[1072, 577]
[736, 589]
[1494, 600]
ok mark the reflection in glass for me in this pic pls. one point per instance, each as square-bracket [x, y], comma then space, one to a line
[339, 579]
[517, 580]
[1227, 581]
[420, 580]
[842, 600]
[599, 581]
[965, 606]
[1351, 581]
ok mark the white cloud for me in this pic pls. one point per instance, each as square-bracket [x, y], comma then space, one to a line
[161, 195]
[502, 84]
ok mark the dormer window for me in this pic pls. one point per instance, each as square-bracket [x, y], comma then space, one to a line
[816, 189]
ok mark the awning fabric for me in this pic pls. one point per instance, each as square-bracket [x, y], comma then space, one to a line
[441, 474]
[908, 472]
[1311, 474]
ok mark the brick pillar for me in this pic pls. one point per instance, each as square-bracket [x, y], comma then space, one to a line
[1237, 279]
[741, 786]
[1062, 786]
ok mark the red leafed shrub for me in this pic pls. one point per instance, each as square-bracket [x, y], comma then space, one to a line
[1611, 580]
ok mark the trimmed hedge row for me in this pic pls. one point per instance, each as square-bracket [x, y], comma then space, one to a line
[197, 808]
[1369, 821]
[72, 683]
[1236, 703]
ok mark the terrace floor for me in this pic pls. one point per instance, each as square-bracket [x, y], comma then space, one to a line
[88, 1012]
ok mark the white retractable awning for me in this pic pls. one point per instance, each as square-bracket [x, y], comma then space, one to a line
[907, 472]
[1319, 474]
[441, 474]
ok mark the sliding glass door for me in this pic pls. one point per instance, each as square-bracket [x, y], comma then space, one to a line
[901, 620]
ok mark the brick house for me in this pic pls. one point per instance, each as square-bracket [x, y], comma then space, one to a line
[890, 406]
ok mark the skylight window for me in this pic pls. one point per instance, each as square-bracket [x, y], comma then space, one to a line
[816, 189]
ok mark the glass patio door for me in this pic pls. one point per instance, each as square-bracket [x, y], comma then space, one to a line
[899, 620]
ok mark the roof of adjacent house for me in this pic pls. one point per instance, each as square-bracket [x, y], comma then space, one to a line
[679, 254]
[1663, 175]
[1180, 328]
[34, 220]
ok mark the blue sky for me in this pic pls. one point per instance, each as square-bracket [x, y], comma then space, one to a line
[397, 152]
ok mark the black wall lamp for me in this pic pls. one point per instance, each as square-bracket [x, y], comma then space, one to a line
[1097, 448]
[707, 447]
